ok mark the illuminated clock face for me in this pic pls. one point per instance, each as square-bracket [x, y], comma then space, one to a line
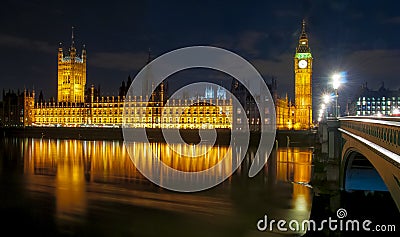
[302, 63]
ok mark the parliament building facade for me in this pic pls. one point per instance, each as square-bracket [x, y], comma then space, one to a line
[78, 105]
[74, 108]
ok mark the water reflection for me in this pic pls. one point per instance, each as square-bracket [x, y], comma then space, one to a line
[294, 165]
[86, 176]
[95, 159]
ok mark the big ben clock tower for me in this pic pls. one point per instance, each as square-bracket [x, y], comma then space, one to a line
[303, 85]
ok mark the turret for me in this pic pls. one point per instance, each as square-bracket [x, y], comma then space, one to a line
[162, 94]
[149, 56]
[92, 94]
[41, 97]
[84, 54]
[72, 53]
[60, 53]
[128, 84]
[71, 74]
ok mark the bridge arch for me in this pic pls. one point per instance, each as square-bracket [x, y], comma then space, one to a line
[363, 168]
[359, 173]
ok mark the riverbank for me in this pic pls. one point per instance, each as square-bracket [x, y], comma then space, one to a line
[283, 137]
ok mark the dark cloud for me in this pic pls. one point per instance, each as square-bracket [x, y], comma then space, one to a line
[10, 41]
[281, 69]
[124, 61]
[375, 66]
[249, 41]
[393, 20]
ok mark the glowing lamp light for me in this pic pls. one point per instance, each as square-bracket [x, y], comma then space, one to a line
[326, 98]
[396, 112]
[336, 81]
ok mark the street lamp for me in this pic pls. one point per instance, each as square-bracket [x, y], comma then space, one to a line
[326, 98]
[336, 84]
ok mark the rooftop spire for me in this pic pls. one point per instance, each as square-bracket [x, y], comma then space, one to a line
[303, 40]
[72, 38]
[149, 56]
[303, 34]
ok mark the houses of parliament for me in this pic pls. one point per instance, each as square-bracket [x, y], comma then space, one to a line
[79, 105]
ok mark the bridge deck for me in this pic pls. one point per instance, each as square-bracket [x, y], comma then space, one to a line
[387, 154]
[382, 131]
[389, 121]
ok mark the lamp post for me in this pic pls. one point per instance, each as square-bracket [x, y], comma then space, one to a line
[326, 99]
[336, 83]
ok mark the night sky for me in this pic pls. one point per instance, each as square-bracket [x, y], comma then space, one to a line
[361, 38]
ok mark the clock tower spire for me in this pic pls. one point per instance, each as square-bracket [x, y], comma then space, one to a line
[303, 81]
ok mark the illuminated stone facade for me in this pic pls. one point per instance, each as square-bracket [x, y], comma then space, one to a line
[108, 111]
[74, 108]
[303, 82]
[285, 113]
[71, 75]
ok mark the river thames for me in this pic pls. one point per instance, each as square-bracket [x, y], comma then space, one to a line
[55, 187]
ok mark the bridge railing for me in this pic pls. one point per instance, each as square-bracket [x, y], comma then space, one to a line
[384, 132]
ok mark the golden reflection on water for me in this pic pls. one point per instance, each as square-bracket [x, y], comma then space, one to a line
[76, 163]
[94, 159]
[170, 155]
[294, 165]
[211, 156]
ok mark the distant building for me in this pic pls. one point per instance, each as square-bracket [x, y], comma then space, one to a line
[209, 93]
[375, 102]
[14, 107]
[283, 108]
[221, 93]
